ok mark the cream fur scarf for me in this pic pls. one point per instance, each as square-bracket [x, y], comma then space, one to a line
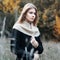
[27, 28]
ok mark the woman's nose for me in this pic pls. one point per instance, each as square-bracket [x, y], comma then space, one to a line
[33, 15]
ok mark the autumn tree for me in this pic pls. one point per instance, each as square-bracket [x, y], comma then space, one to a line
[9, 5]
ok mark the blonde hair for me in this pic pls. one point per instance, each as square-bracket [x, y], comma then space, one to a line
[24, 11]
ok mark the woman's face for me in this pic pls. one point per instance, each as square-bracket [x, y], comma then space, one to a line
[30, 15]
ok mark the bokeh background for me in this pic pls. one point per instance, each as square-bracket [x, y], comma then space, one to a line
[49, 26]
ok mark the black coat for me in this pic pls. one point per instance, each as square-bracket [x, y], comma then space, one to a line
[20, 40]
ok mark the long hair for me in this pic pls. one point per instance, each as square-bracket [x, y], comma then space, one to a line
[27, 7]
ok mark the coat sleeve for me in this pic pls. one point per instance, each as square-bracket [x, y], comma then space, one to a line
[14, 43]
[40, 47]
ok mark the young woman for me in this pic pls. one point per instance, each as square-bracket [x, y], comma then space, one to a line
[26, 41]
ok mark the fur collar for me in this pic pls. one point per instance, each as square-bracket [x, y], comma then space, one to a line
[27, 28]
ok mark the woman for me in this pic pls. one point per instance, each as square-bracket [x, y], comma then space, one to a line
[25, 41]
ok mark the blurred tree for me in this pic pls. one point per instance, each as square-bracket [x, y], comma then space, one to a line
[10, 10]
[10, 5]
[47, 3]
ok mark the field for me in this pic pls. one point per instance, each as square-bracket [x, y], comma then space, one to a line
[51, 50]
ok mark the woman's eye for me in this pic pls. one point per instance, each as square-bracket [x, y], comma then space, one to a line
[31, 12]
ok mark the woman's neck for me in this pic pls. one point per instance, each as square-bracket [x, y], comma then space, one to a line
[28, 22]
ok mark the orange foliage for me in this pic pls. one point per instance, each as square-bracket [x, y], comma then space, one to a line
[10, 5]
[44, 15]
[57, 26]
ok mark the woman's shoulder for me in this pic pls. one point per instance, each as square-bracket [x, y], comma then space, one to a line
[20, 33]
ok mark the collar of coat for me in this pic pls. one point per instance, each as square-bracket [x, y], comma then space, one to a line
[27, 28]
